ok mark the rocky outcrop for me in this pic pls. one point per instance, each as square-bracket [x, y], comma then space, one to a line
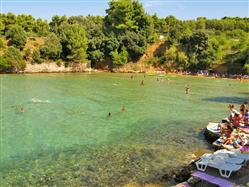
[52, 67]
[179, 174]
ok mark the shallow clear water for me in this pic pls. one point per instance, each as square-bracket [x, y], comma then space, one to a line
[71, 141]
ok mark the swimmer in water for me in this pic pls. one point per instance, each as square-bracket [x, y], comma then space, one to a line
[187, 89]
[22, 110]
[131, 76]
[142, 83]
[109, 114]
[123, 109]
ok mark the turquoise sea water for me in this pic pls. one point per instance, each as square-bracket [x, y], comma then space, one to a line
[69, 141]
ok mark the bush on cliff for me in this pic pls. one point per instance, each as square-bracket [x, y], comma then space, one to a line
[36, 57]
[52, 47]
[17, 36]
[14, 59]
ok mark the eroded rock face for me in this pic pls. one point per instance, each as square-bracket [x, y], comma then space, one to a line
[193, 180]
[179, 174]
[52, 67]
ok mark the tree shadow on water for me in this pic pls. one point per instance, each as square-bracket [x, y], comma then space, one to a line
[225, 99]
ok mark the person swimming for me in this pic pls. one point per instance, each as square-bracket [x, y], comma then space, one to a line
[22, 110]
[35, 100]
[123, 109]
[187, 89]
[142, 83]
[109, 114]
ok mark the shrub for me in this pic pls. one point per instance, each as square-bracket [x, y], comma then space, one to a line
[14, 59]
[1, 43]
[52, 47]
[120, 58]
[27, 54]
[246, 68]
[59, 62]
[17, 36]
[4, 64]
[36, 57]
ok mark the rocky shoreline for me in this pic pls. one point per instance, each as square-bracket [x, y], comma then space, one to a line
[182, 174]
[53, 67]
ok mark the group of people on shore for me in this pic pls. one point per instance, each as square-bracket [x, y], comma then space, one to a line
[239, 118]
[235, 129]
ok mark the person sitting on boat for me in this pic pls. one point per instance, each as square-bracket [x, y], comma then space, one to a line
[226, 135]
[236, 119]
[225, 126]
[232, 112]
[233, 138]
[246, 118]
[244, 107]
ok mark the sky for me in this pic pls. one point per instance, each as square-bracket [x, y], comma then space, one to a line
[182, 9]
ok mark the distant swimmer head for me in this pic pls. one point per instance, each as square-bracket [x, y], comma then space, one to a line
[22, 110]
[123, 109]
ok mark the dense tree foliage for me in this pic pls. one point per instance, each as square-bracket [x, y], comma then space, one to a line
[17, 36]
[120, 58]
[130, 24]
[41, 27]
[36, 57]
[56, 22]
[52, 48]
[12, 58]
[74, 42]
[123, 35]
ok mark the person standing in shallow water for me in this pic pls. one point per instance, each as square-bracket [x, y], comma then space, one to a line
[187, 89]
[123, 109]
[142, 83]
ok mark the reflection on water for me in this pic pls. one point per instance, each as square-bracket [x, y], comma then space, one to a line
[71, 142]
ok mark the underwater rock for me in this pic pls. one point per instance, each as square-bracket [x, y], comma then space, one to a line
[179, 174]
[167, 174]
[85, 179]
[91, 168]
[193, 180]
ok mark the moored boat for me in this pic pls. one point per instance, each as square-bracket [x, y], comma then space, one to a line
[212, 132]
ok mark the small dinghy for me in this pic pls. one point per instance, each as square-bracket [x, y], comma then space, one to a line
[212, 131]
